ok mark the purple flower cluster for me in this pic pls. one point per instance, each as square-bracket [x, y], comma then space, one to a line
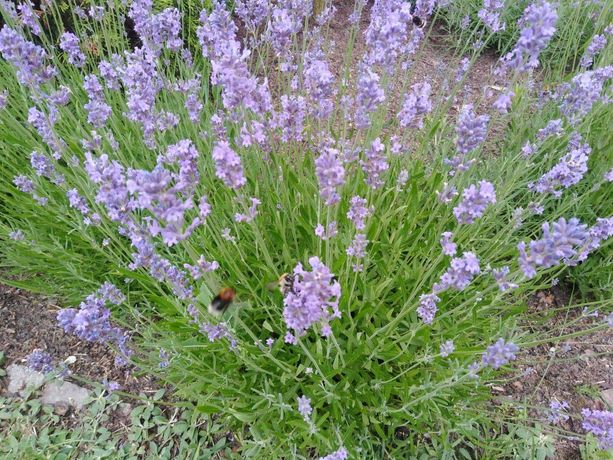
[557, 411]
[475, 200]
[358, 246]
[560, 242]
[252, 12]
[218, 332]
[201, 267]
[359, 212]
[98, 111]
[449, 247]
[416, 104]
[386, 35]
[375, 164]
[569, 171]
[459, 274]
[44, 126]
[304, 407]
[428, 307]
[28, 17]
[500, 275]
[369, 96]
[499, 354]
[340, 454]
[503, 103]
[552, 128]
[290, 119]
[537, 27]
[447, 348]
[28, 58]
[471, 130]
[330, 174]
[319, 83]
[228, 166]
[91, 322]
[577, 98]
[40, 361]
[69, 43]
[330, 231]
[157, 30]
[314, 293]
[251, 214]
[600, 424]
[597, 43]
[490, 15]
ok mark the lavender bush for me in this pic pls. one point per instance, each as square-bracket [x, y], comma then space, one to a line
[143, 175]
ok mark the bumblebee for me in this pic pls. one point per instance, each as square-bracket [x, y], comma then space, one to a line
[222, 301]
[285, 283]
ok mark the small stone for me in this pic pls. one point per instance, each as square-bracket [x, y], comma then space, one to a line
[65, 392]
[22, 377]
[125, 409]
[607, 395]
[61, 408]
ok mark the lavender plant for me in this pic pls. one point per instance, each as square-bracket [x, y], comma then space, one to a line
[153, 172]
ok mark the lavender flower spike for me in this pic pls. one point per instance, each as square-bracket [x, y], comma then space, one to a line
[499, 354]
[228, 166]
[475, 200]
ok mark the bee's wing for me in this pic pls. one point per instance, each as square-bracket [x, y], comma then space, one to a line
[272, 285]
[209, 288]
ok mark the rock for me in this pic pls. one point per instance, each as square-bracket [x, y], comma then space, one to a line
[125, 409]
[607, 395]
[61, 408]
[68, 393]
[22, 377]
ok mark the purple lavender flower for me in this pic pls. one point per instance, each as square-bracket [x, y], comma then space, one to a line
[111, 71]
[69, 43]
[447, 194]
[608, 176]
[340, 454]
[459, 274]
[449, 247]
[569, 171]
[96, 12]
[157, 30]
[600, 424]
[304, 407]
[375, 164]
[28, 58]
[40, 361]
[552, 128]
[537, 27]
[500, 275]
[330, 174]
[416, 105]
[597, 43]
[475, 200]
[110, 386]
[44, 126]
[358, 246]
[386, 36]
[252, 12]
[369, 96]
[91, 322]
[77, 201]
[251, 213]
[17, 235]
[228, 166]
[4, 95]
[61, 96]
[499, 354]
[503, 103]
[98, 111]
[42, 165]
[490, 15]
[471, 130]
[403, 178]
[291, 117]
[108, 292]
[427, 307]
[557, 411]
[164, 359]
[313, 295]
[359, 212]
[577, 98]
[24, 184]
[559, 242]
[28, 17]
[447, 348]
[319, 83]
[329, 232]
[218, 332]
[528, 149]
[473, 370]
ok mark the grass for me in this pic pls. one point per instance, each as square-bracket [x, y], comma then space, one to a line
[381, 369]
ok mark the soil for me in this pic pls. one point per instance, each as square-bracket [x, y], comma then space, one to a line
[28, 322]
[576, 370]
